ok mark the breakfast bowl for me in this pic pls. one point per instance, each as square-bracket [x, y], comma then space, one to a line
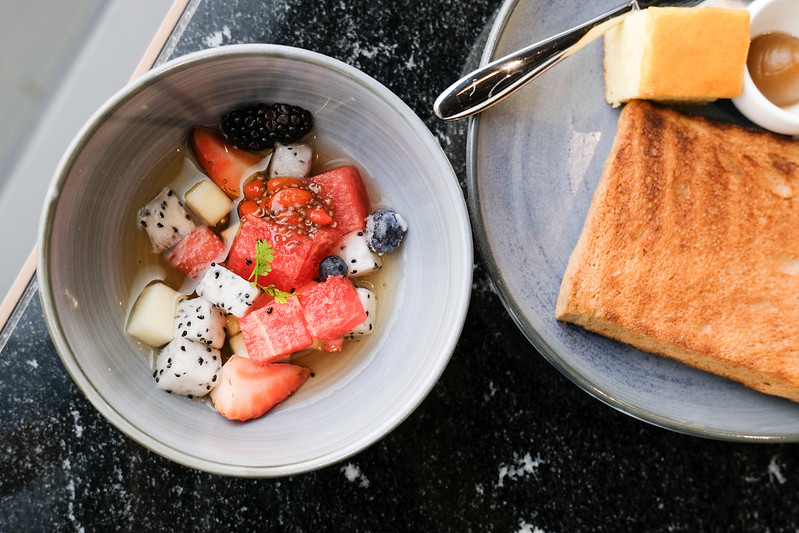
[772, 17]
[93, 260]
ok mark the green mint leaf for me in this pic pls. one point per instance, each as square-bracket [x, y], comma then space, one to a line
[279, 296]
[264, 255]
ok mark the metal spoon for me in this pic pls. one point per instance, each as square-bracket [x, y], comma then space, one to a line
[488, 85]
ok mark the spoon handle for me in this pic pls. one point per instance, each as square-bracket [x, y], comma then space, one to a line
[488, 85]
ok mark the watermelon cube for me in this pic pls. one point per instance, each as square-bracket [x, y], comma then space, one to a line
[196, 251]
[275, 330]
[332, 308]
[344, 193]
[291, 251]
[325, 240]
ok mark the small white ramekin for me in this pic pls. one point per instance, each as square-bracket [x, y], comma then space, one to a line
[769, 16]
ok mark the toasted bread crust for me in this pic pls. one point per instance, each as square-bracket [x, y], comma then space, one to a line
[691, 247]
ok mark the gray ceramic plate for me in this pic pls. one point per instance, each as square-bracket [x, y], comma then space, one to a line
[534, 161]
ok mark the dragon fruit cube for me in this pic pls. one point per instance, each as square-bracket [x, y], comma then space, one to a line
[360, 259]
[370, 306]
[198, 320]
[227, 290]
[187, 368]
[291, 160]
[165, 220]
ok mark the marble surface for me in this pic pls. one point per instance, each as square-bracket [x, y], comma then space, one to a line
[502, 443]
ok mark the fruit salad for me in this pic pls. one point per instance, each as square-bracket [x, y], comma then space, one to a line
[278, 257]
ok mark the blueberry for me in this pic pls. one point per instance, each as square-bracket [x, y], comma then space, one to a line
[384, 230]
[332, 265]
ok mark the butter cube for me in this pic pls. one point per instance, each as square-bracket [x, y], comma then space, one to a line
[689, 55]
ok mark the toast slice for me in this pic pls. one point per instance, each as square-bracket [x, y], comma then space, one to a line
[690, 248]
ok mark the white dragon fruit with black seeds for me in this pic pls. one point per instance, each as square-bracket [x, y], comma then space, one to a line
[198, 320]
[291, 160]
[369, 303]
[359, 258]
[187, 368]
[227, 290]
[166, 220]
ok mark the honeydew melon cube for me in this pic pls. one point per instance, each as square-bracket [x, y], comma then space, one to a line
[208, 202]
[237, 345]
[152, 316]
[229, 234]
[232, 325]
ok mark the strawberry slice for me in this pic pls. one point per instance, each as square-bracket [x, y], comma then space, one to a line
[222, 162]
[248, 390]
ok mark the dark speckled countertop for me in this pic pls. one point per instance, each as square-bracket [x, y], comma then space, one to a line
[503, 442]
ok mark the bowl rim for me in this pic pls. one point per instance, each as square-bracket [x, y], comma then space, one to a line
[460, 299]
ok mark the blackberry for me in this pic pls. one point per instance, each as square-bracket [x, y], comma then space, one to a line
[259, 126]
[332, 265]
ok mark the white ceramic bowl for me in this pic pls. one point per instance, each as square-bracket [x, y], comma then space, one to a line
[769, 16]
[88, 245]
